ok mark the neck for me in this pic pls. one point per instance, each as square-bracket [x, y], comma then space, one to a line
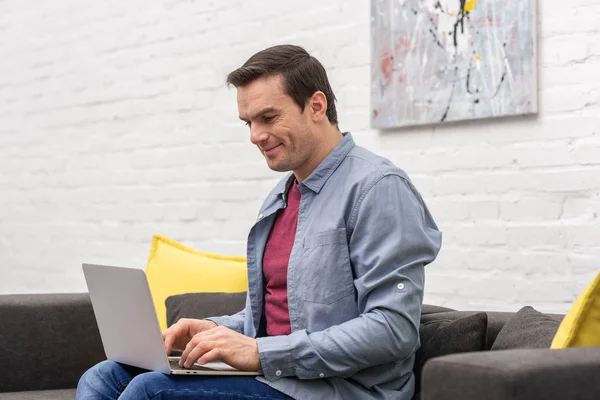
[331, 137]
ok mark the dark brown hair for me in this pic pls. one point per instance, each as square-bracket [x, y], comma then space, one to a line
[302, 74]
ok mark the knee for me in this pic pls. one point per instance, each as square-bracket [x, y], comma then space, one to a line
[96, 372]
[104, 368]
[97, 378]
[146, 385]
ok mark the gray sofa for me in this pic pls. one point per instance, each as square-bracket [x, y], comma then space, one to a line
[48, 340]
[517, 374]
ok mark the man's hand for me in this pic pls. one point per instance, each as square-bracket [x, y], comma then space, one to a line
[177, 336]
[223, 344]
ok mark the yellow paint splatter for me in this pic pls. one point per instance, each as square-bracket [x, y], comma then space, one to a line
[470, 5]
[478, 57]
[452, 13]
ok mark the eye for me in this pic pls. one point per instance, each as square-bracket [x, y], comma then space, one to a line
[268, 119]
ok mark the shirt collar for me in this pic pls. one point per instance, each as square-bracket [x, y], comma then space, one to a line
[316, 180]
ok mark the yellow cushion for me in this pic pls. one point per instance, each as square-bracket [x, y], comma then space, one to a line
[581, 325]
[176, 269]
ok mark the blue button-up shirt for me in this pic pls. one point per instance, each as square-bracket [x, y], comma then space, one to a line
[355, 281]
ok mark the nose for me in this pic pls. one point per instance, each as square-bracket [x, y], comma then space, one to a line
[258, 135]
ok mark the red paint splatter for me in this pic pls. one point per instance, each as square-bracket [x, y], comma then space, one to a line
[387, 66]
[389, 59]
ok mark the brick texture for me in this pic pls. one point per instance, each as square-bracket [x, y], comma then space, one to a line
[115, 124]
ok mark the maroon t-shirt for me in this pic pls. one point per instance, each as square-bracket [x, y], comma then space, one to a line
[275, 265]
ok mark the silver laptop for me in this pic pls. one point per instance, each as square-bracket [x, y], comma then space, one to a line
[129, 326]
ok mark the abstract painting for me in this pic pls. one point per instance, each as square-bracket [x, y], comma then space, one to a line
[435, 61]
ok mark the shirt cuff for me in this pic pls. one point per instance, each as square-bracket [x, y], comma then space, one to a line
[275, 357]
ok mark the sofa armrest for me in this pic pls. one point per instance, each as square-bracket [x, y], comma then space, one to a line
[47, 341]
[514, 375]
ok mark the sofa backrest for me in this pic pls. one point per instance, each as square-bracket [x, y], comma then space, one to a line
[47, 341]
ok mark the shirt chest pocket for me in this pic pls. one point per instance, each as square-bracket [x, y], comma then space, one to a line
[326, 273]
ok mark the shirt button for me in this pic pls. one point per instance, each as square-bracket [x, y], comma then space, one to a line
[260, 216]
[278, 372]
[400, 286]
[322, 375]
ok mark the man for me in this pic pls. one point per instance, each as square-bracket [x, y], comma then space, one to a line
[335, 262]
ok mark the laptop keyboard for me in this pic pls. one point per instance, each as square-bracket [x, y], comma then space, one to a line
[175, 367]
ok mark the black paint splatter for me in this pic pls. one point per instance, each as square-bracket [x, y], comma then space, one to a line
[435, 38]
[433, 29]
[500, 84]
[469, 79]
[451, 94]
[460, 18]
[433, 23]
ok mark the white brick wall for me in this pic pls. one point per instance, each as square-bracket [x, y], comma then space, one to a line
[115, 124]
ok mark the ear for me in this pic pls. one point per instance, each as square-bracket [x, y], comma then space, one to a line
[317, 106]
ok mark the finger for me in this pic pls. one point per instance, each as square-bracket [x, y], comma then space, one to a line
[173, 337]
[212, 355]
[191, 345]
[188, 348]
[169, 343]
[197, 352]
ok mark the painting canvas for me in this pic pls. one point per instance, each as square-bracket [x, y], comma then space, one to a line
[435, 61]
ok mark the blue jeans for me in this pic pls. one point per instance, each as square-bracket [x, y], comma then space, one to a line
[110, 380]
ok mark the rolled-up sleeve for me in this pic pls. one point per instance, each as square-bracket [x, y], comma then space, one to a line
[392, 238]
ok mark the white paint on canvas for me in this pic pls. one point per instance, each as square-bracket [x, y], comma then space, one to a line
[448, 60]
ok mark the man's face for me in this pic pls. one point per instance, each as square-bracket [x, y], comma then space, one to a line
[278, 127]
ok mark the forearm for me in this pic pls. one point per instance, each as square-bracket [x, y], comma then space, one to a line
[374, 338]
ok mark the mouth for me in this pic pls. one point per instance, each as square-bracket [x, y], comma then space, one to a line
[271, 150]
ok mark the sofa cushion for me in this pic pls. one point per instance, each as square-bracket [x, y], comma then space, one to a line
[445, 336]
[527, 329]
[496, 320]
[431, 309]
[63, 394]
[581, 326]
[175, 269]
[203, 305]
[521, 374]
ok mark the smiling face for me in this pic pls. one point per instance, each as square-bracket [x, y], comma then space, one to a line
[278, 127]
